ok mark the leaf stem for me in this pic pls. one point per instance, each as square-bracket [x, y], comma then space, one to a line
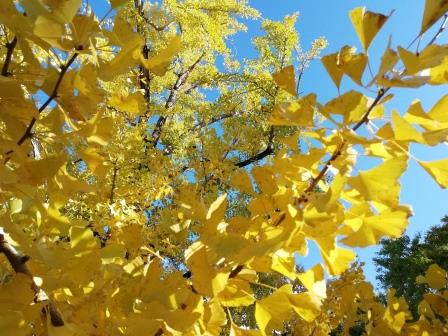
[52, 96]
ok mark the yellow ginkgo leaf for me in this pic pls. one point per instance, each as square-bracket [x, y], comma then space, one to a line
[337, 259]
[314, 280]
[366, 24]
[438, 111]
[206, 280]
[345, 62]
[390, 223]
[285, 79]
[51, 31]
[306, 305]
[352, 64]
[434, 9]
[439, 74]
[65, 10]
[330, 63]
[159, 63]
[237, 293]
[271, 311]
[127, 57]
[296, 113]
[430, 57]
[241, 180]
[403, 131]
[7, 175]
[380, 184]
[284, 263]
[134, 104]
[438, 170]
[17, 292]
[351, 105]
[94, 161]
[216, 211]
[435, 277]
[417, 115]
[82, 238]
[388, 61]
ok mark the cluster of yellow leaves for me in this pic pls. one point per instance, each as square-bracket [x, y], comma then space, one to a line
[122, 243]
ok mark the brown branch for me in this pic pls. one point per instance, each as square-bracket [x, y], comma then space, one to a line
[181, 79]
[212, 120]
[268, 151]
[339, 149]
[144, 78]
[114, 183]
[52, 96]
[18, 264]
[236, 271]
[9, 51]
[365, 118]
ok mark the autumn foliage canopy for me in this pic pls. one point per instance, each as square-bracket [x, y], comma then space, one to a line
[150, 180]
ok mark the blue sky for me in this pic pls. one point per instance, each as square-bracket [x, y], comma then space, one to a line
[329, 18]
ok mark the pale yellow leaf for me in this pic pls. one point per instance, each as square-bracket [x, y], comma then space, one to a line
[438, 170]
[366, 24]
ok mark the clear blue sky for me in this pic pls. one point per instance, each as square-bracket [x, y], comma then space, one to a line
[329, 18]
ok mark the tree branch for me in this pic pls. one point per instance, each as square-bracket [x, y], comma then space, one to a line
[212, 120]
[268, 151]
[339, 149]
[181, 79]
[114, 183]
[18, 263]
[52, 96]
[9, 51]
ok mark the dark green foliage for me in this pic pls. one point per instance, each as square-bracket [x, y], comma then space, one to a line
[401, 260]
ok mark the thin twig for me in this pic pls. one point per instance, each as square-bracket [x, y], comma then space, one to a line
[340, 148]
[52, 96]
[181, 80]
[440, 31]
[18, 264]
[114, 183]
[9, 51]
[268, 151]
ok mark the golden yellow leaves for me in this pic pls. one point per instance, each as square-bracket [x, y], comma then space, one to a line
[15, 306]
[118, 3]
[81, 238]
[206, 280]
[134, 104]
[159, 63]
[273, 310]
[434, 9]
[390, 223]
[367, 24]
[381, 183]
[438, 170]
[50, 25]
[285, 79]
[236, 293]
[296, 113]
[345, 62]
[435, 277]
[351, 105]
[314, 281]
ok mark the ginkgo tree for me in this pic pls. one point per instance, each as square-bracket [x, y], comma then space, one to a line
[149, 179]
